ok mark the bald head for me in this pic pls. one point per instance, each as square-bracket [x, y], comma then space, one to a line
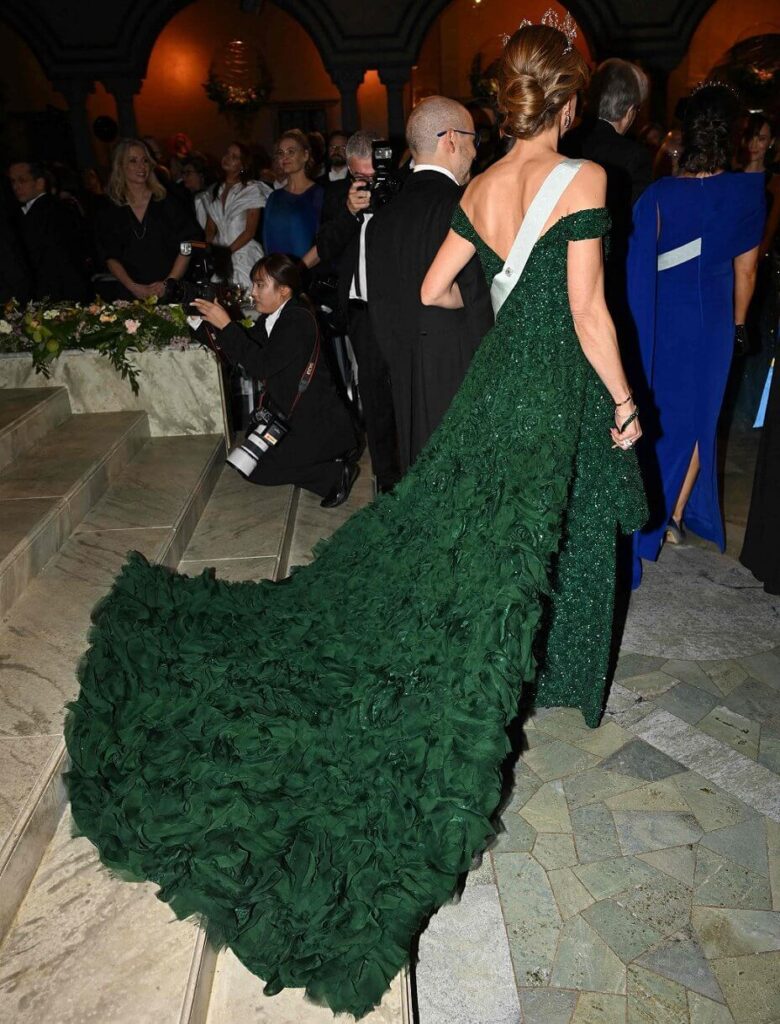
[433, 115]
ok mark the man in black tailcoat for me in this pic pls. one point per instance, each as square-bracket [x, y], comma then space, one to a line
[340, 248]
[51, 234]
[428, 350]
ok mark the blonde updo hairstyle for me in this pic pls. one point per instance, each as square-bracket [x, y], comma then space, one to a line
[538, 73]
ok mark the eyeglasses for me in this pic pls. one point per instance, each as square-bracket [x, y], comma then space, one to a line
[461, 131]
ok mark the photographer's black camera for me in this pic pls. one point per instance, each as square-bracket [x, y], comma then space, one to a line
[386, 183]
[198, 284]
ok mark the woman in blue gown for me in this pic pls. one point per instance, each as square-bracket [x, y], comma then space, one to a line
[292, 213]
[691, 272]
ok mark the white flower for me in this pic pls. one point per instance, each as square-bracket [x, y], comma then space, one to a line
[5, 327]
[50, 314]
[131, 326]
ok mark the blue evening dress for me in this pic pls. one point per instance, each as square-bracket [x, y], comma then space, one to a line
[686, 234]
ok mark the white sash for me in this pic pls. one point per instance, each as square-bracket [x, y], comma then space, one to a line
[536, 217]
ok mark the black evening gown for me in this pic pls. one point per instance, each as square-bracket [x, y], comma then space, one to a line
[761, 549]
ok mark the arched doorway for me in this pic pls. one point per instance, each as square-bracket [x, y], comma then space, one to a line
[172, 98]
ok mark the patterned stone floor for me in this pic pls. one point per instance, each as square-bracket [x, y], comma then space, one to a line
[637, 879]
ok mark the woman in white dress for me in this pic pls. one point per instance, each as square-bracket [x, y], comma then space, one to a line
[233, 207]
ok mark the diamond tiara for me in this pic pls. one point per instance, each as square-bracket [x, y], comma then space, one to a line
[551, 19]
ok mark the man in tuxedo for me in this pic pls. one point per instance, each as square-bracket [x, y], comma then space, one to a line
[428, 350]
[51, 235]
[340, 248]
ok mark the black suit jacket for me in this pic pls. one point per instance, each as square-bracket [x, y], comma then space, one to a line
[52, 235]
[427, 349]
[337, 240]
[321, 425]
[629, 168]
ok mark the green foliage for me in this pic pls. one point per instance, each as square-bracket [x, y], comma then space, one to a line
[112, 329]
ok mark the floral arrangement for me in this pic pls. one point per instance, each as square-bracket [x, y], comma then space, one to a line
[112, 329]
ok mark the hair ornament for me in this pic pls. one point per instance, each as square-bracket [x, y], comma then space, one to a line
[712, 83]
[550, 19]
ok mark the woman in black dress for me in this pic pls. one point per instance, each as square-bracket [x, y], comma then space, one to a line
[320, 451]
[140, 231]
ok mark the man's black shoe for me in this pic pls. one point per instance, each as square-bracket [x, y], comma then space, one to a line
[349, 475]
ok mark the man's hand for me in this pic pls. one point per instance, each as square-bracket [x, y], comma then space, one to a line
[212, 313]
[358, 197]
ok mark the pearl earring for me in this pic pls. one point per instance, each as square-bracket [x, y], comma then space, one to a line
[567, 120]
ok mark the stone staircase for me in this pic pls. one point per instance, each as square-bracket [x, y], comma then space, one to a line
[76, 493]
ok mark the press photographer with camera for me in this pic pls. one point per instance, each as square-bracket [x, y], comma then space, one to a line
[313, 442]
[340, 246]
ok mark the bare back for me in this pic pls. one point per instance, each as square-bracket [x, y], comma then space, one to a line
[497, 201]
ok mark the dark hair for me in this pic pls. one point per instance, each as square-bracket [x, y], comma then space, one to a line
[246, 166]
[754, 124]
[614, 89]
[285, 272]
[337, 133]
[708, 130]
[38, 169]
[538, 72]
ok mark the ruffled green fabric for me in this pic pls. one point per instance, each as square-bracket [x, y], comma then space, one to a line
[310, 765]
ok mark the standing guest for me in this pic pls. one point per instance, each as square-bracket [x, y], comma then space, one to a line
[761, 547]
[292, 213]
[336, 169]
[319, 452]
[691, 273]
[156, 155]
[762, 322]
[195, 179]
[427, 349]
[310, 765]
[180, 148]
[319, 150]
[233, 208]
[51, 232]
[15, 276]
[341, 245]
[139, 233]
[652, 135]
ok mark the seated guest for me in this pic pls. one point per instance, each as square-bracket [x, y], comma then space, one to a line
[233, 207]
[292, 213]
[320, 450]
[140, 232]
[52, 236]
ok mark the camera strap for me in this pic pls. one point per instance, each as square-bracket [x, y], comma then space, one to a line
[306, 376]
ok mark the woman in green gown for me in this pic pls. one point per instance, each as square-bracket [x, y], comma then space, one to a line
[310, 765]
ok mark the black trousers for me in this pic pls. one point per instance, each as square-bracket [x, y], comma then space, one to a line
[376, 397]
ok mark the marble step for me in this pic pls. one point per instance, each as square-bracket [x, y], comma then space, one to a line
[86, 947]
[26, 414]
[47, 491]
[153, 507]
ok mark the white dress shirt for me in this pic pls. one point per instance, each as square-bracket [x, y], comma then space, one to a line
[271, 319]
[435, 167]
[26, 206]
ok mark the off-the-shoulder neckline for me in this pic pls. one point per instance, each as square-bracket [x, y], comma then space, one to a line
[566, 216]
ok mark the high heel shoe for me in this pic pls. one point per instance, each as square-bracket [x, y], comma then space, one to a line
[675, 532]
[340, 493]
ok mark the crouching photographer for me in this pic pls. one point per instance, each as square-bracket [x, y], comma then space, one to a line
[301, 432]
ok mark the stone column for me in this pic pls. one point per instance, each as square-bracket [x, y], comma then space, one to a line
[75, 91]
[394, 80]
[123, 91]
[347, 80]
